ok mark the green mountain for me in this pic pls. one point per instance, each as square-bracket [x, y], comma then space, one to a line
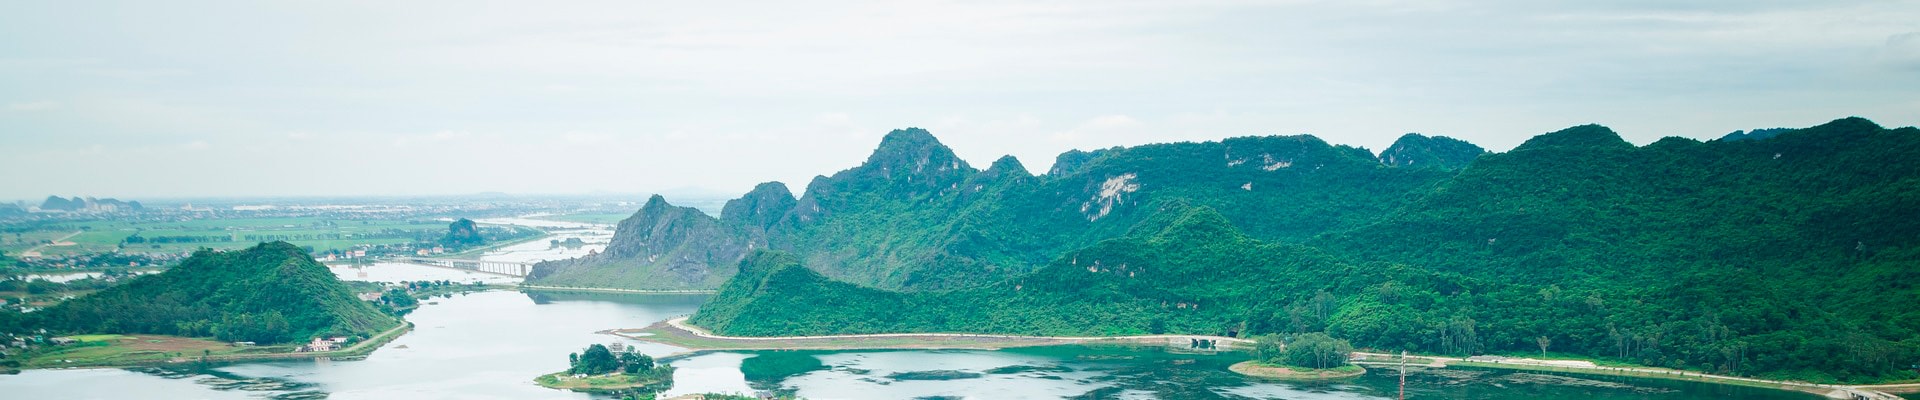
[1416, 150]
[271, 293]
[1187, 270]
[1791, 256]
[915, 217]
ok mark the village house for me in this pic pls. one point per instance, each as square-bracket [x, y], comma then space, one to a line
[324, 344]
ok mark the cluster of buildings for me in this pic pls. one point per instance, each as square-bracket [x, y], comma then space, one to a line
[378, 250]
[323, 344]
[103, 260]
[9, 343]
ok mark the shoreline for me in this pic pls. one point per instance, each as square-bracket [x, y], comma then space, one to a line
[1582, 367]
[1263, 370]
[565, 381]
[358, 350]
[676, 332]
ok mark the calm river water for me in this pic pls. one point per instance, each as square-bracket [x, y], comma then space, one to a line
[492, 344]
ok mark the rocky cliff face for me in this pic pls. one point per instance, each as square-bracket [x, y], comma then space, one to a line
[760, 209]
[662, 246]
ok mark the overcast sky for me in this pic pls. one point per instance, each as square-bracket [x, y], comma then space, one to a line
[150, 99]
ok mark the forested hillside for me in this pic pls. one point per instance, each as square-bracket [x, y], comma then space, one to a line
[270, 293]
[1791, 256]
[915, 217]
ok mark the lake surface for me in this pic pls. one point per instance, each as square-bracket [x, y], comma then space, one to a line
[595, 240]
[492, 344]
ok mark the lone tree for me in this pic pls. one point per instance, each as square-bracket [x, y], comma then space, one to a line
[595, 360]
[631, 362]
[1317, 350]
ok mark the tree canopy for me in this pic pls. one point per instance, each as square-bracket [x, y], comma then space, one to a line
[1784, 257]
[270, 293]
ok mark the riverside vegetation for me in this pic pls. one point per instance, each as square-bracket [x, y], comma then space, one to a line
[1785, 255]
[600, 370]
[271, 294]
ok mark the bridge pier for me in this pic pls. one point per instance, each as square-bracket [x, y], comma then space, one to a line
[508, 268]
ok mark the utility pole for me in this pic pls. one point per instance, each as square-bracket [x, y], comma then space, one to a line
[1403, 375]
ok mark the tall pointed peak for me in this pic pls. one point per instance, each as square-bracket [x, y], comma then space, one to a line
[1009, 164]
[656, 202]
[761, 207]
[913, 148]
[913, 155]
[774, 188]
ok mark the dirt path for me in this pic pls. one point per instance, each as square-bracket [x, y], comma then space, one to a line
[676, 332]
[1870, 392]
[62, 241]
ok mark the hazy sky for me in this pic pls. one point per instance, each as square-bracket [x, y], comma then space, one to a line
[185, 98]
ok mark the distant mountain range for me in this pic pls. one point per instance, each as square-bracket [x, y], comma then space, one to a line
[55, 203]
[1786, 253]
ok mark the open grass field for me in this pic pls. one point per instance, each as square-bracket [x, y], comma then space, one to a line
[129, 350]
[96, 350]
[15, 243]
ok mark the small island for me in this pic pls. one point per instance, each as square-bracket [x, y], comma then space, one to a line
[1311, 356]
[618, 371]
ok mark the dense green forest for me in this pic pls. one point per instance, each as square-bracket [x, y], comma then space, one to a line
[1786, 256]
[270, 293]
[915, 217]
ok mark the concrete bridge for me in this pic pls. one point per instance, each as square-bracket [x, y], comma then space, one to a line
[508, 268]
